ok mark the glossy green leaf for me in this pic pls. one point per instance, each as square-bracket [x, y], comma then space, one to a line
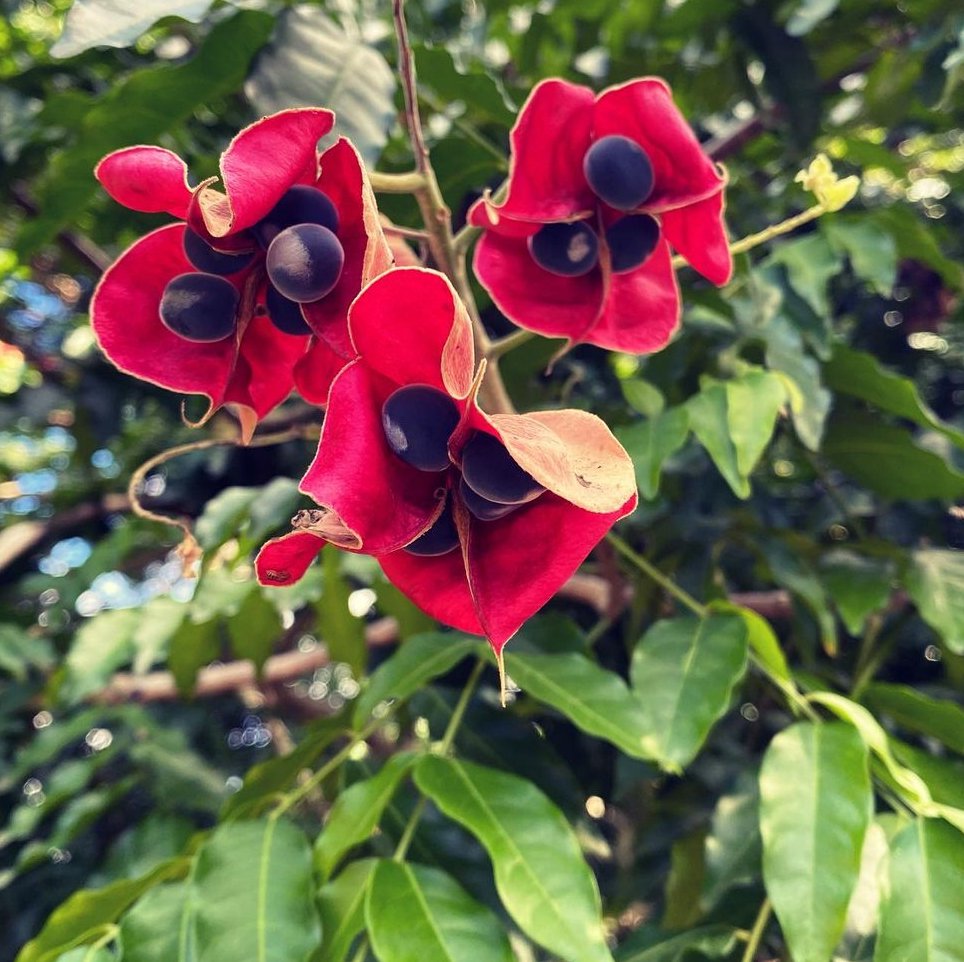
[762, 638]
[416, 662]
[312, 61]
[810, 262]
[160, 927]
[935, 581]
[100, 23]
[101, 646]
[341, 903]
[540, 874]
[922, 916]
[255, 629]
[861, 375]
[343, 633]
[887, 459]
[871, 250]
[224, 515]
[357, 812]
[415, 913]
[708, 941]
[651, 442]
[478, 90]
[683, 674]
[912, 709]
[160, 620]
[267, 778]
[255, 894]
[753, 401]
[82, 917]
[858, 585]
[815, 806]
[592, 698]
[710, 423]
[643, 397]
[139, 110]
[272, 509]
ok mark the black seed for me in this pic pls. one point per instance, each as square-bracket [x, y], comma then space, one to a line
[200, 307]
[418, 421]
[619, 172]
[301, 204]
[284, 314]
[205, 258]
[440, 539]
[631, 240]
[569, 250]
[488, 469]
[304, 262]
[483, 508]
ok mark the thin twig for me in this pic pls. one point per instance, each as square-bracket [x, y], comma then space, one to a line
[756, 934]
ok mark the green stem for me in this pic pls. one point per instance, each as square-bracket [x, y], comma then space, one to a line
[508, 343]
[756, 933]
[407, 183]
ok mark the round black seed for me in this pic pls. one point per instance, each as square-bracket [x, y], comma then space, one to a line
[304, 262]
[418, 421]
[483, 508]
[488, 469]
[631, 240]
[285, 314]
[301, 204]
[205, 258]
[569, 250]
[200, 307]
[440, 539]
[619, 172]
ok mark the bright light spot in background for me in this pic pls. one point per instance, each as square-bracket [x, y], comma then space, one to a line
[360, 602]
[595, 807]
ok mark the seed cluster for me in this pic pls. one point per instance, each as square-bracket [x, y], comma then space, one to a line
[418, 421]
[620, 174]
[303, 258]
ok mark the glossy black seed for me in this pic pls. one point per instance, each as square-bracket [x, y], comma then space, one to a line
[488, 469]
[301, 204]
[205, 258]
[304, 262]
[200, 307]
[631, 240]
[440, 539]
[483, 508]
[569, 250]
[285, 314]
[418, 421]
[619, 172]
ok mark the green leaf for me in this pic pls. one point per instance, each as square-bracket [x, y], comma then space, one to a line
[160, 620]
[684, 882]
[595, 700]
[935, 580]
[224, 515]
[912, 709]
[540, 874]
[255, 895]
[872, 251]
[411, 619]
[649, 443]
[477, 89]
[82, 917]
[160, 927]
[415, 913]
[255, 629]
[100, 646]
[763, 640]
[807, 14]
[417, 661]
[915, 240]
[101, 23]
[220, 592]
[858, 585]
[860, 375]
[711, 941]
[815, 806]
[343, 633]
[342, 907]
[753, 401]
[709, 420]
[921, 918]
[357, 812]
[272, 509]
[139, 110]
[20, 652]
[810, 263]
[312, 61]
[887, 459]
[192, 647]
[733, 846]
[266, 779]
[643, 397]
[683, 673]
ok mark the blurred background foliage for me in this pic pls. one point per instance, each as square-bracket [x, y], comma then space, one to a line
[798, 446]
